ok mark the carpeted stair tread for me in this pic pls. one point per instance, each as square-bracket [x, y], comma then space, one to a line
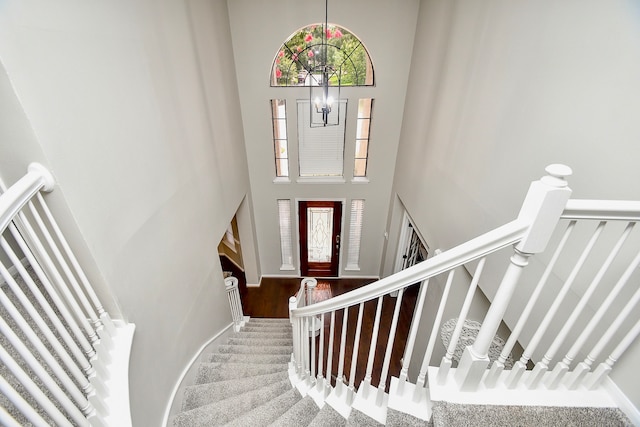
[328, 417]
[212, 372]
[270, 320]
[249, 349]
[260, 341]
[247, 358]
[223, 411]
[268, 411]
[261, 329]
[299, 414]
[359, 419]
[400, 419]
[263, 335]
[275, 325]
[203, 394]
[458, 415]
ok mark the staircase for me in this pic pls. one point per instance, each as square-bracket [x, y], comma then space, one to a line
[246, 383]
[572, 333]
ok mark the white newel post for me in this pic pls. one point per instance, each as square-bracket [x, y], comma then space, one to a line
[237, 314]
[542, 208]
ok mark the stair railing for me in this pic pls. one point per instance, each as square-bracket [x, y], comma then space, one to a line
[235, 303]
[54, 323]
[546, 205]
[302, 357]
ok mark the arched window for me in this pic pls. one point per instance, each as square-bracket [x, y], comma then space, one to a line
[298, 58]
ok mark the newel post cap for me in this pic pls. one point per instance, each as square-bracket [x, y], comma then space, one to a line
[543, 206]
[47, 177]
[309, 282]
[556, 174]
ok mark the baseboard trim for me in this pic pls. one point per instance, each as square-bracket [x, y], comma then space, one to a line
[179, 386]
[623, 401]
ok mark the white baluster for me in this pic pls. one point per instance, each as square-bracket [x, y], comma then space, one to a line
[71, 280]
[22, 405]
[446, 362]
[520, 366]
[422, 376]
[343, 340]
[354, 354]
[330, 352]
[40, 397]
[313, 348]
[42, 325]
[71, 307]
[605, 367]
[320, 382]
[387, 355]
[583, 367]
[293, 304]
[104, 317]
[305, 347]
[47, 357]
[88, 350]
[563, 366]
[413, 332]
[366, 383]
[542, 366]
[553, 380]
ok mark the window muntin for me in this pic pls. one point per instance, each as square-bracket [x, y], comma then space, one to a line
[280, 145]
[363, 126]
[301, 52]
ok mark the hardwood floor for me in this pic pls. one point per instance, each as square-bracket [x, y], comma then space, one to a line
[271, 300]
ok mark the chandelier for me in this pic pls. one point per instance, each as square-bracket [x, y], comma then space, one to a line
[323, 79]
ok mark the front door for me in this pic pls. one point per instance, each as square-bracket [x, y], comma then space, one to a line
[319, 238]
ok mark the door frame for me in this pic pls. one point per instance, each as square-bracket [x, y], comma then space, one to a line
[297, 200]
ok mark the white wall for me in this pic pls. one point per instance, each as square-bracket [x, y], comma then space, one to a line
[501, 89]
[133, 105]
[258, 30]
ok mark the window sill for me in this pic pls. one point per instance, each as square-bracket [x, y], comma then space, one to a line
[281, 180]
[321, 180]
[360, 180]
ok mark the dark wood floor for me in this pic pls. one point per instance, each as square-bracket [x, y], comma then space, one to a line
[271, 300]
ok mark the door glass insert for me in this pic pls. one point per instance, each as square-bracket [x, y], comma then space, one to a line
[319, 232]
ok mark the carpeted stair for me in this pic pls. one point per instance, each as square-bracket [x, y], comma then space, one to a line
[246, 384]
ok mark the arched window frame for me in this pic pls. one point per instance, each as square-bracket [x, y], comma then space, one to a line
[296, 57]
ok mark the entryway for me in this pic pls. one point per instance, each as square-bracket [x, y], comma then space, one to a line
[320, 225]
